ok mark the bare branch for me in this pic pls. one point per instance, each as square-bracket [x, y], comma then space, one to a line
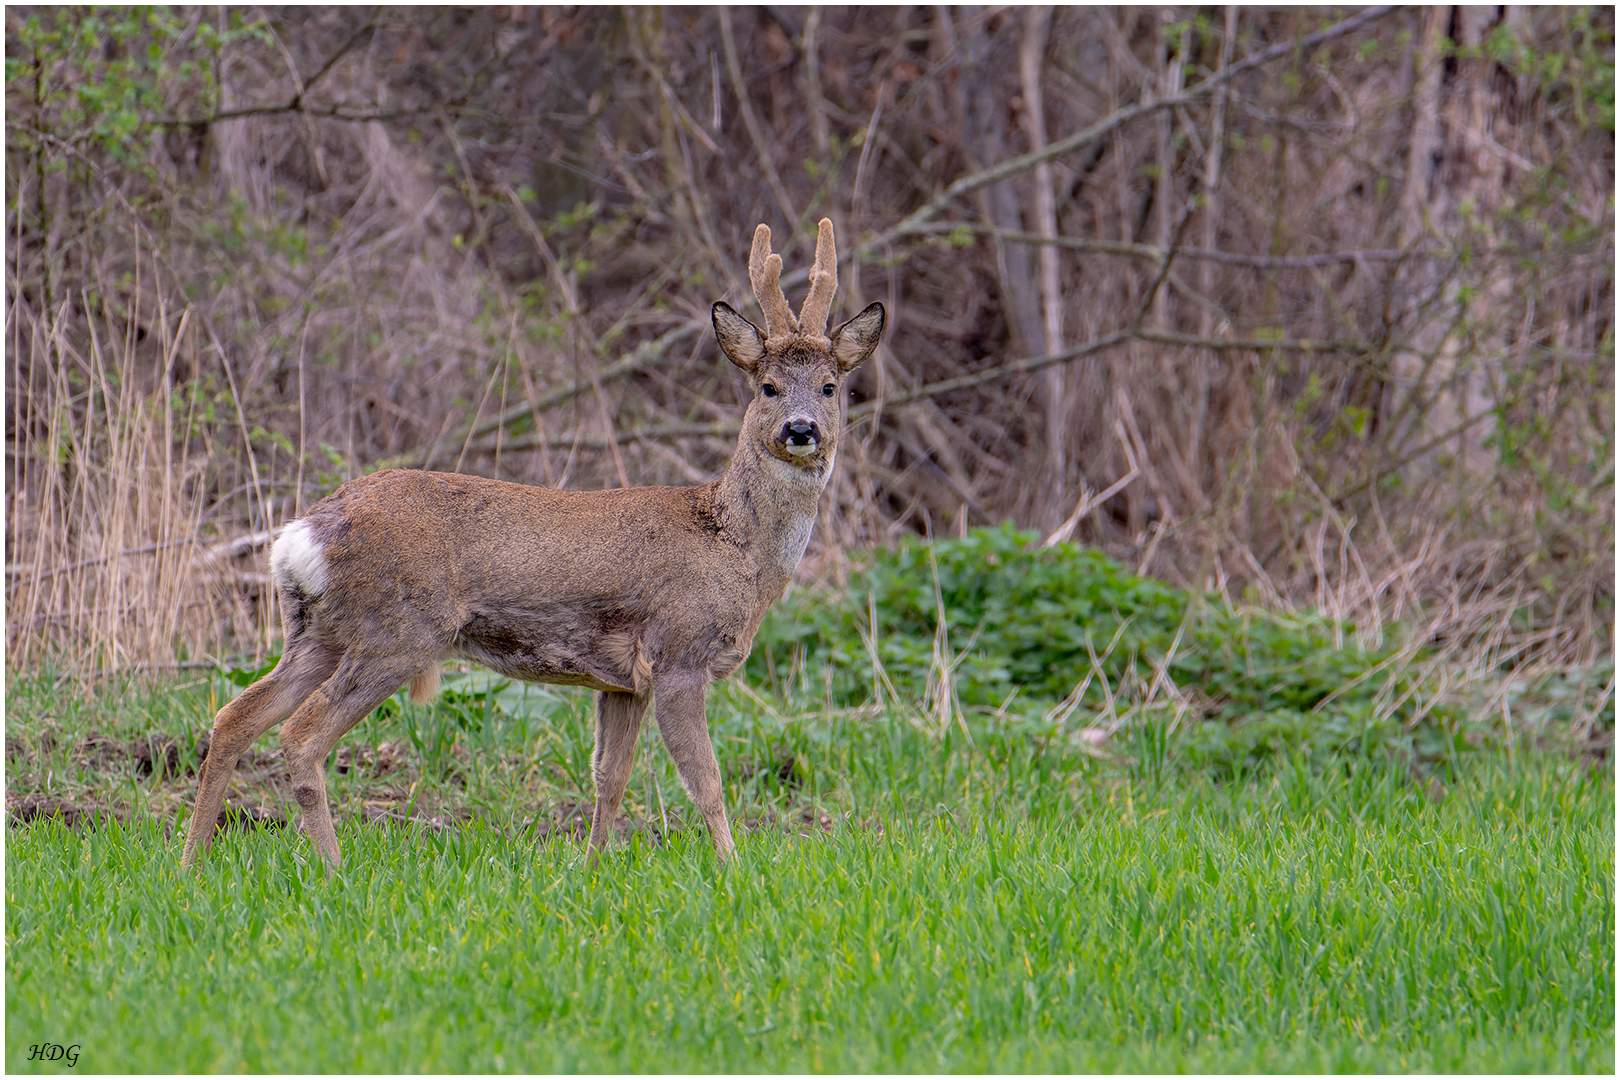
[914, 222]
[1231, 258]
[1411, 456]
[672, 98]
[367, 27]
[721, 429]
[349, 112]
[301, 87]
[762, 145]
[1036, 363]
[729, 429]
[644, 355]
[1304, 345]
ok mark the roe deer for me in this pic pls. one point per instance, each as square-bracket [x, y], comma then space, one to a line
[639, 593]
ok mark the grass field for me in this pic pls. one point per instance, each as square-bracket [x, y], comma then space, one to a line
[1113, 876]
[1295, 924]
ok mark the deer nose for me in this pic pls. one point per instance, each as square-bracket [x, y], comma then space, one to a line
[801, 436]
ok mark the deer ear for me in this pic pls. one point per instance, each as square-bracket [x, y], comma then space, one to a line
[739, 339]
[853, 342]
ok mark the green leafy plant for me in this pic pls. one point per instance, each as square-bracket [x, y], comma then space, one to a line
[1063, 634]
[101, 75]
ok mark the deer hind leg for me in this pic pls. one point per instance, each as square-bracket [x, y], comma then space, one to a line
[685, 731]
[360, 684]
[618, 722]
[250, 714]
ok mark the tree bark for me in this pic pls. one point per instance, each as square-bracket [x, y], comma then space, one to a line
[1452, 185]
[1054, 381]
[983, 54]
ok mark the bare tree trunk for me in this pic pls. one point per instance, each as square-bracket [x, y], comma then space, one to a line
[1425, 124]
[812, 80]
[983, 118]
[1212, 169]
[1206, 270]
[1165, 183]
[983, 55]
[1054, 380]
[1451, 186]
[1473, 182]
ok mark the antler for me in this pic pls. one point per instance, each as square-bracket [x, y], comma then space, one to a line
[823, 283]
[765, 271]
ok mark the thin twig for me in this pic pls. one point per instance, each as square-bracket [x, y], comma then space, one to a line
[721, 429]
[672, 98]
[756, 133]
[1407, 458]
[967, 185]
[727, 429]
[1089, 501]
[1156, 253]
[643, 356]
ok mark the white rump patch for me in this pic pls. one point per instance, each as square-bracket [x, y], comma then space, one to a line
[297, 560]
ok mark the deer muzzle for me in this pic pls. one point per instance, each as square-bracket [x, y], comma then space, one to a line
[801, 436]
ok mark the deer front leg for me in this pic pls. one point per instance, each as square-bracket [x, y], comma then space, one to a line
[685, 731]
[618, 722]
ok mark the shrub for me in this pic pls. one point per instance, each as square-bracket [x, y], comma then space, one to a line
[995, 624]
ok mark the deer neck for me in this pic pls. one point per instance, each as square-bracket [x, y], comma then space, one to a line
[770, 507]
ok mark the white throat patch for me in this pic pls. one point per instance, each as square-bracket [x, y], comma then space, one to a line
[810, 482]
[794, 540]
[800, 477]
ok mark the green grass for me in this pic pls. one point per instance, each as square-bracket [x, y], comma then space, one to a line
[1244, 842]
[1300, 923]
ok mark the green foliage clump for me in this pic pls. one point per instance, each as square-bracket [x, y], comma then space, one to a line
[1026, 632]
[106, 76]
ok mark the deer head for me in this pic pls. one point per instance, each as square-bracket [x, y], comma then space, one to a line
[797, 369]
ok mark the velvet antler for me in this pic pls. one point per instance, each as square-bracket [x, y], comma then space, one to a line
[823, 283]
[765, 272]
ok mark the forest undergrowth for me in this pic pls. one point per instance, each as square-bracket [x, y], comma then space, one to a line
[1307, 308]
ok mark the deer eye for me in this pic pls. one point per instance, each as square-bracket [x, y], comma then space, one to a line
[768, 389]
[829, 390]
